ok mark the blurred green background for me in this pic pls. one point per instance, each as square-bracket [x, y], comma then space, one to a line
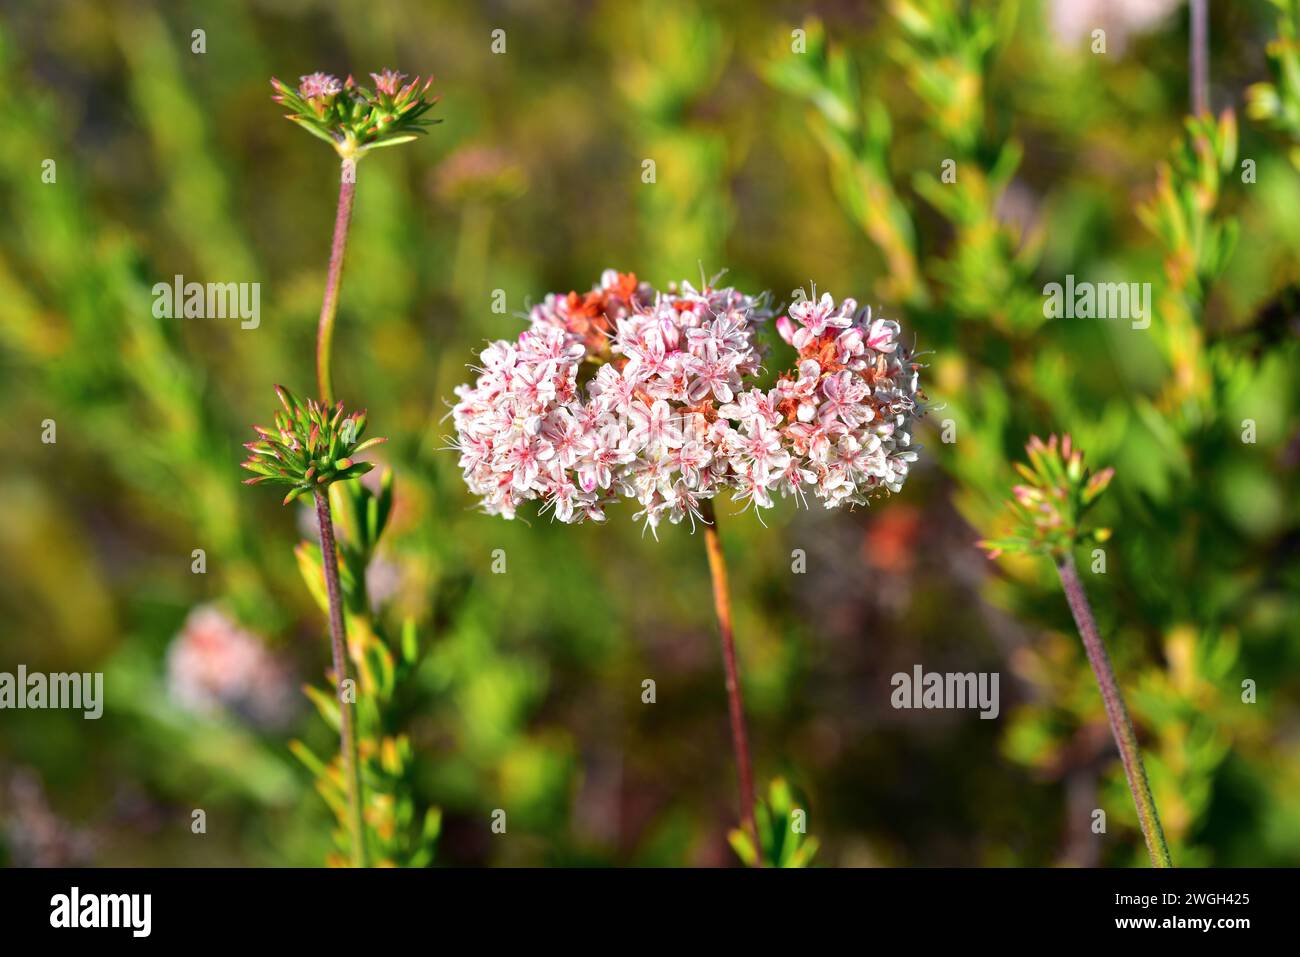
[784, 157]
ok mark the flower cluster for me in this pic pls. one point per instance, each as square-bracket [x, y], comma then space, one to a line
[311, 446]
[353, 118]
[1046, 515]
[626, 391]
[214, 665]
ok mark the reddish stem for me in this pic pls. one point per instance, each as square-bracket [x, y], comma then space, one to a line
[330, 305]
[1120, 725]
[739, 739]
[1200, 57]
[338, 645]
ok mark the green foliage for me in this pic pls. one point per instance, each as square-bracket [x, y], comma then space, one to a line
[1278, 103]
[399, 833]
[1187, 191]
[855, 131]
[666, 81]
[1000, 371]
[782, 831]
[946, 49]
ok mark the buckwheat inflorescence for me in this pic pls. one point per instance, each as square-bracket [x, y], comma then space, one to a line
[311, 446]
[353, 118]
[1046, 516]
[629, 392]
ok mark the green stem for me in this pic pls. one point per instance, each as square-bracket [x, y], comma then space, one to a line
[347, 710]
[330, 306]
[1120, 725]
[739, 739]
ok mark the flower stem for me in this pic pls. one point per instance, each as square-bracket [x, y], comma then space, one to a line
[330, 306]
[1200, 57]
[347, 716]
[1120, 725]
[739, 739]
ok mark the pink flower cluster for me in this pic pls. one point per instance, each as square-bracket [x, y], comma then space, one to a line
[215, 666]
[629, 392]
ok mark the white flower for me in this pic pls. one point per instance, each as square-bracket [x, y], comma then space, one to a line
[653, 428]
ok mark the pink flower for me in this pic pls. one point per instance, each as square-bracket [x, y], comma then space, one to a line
[842, 396]
[388, 82]
[882, 335]
[615, 390]
[815, 316]
[713, 374]
[689, 458]
[670, 415]
[751, 488]
[653, 427]
[318, 85]
[761, 450]
[525, 457]
[602, 451]
[561, 494]
[562, 433]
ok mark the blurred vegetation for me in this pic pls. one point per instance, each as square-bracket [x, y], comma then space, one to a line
[786, 157]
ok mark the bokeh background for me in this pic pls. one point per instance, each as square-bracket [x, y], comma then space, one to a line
[523, 691]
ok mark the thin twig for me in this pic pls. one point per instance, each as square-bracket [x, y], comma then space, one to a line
[338, 645]
[1200, 57]
[1120, 725]
[739, 739]
[330, 305]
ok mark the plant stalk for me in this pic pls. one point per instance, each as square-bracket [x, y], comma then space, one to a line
[1200, 57]
[1120, 725]
[347, 710]
[330, 305]
[739, 739]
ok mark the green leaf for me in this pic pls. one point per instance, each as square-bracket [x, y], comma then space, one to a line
[327, 704]
[313, 573]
